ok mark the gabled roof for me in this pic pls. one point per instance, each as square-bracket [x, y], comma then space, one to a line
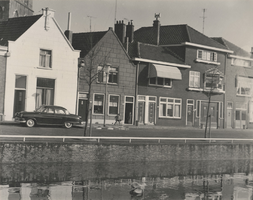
[175, 34]
[86, 41]
[158, 53]
[230, 46]
[13, 28]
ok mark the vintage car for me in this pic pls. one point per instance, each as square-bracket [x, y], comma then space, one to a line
[48, 115]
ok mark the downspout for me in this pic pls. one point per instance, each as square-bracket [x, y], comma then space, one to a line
[136, 93]
[7, 54]
[225, 94]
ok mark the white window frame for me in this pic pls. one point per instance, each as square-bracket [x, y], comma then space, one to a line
[156, 82]
[240, 86]
[112, 70]
[241, 62]
[45, 56]
[174, 104]
[108, 106]
[208, 57]
[194, 75]
[191, 104]
[103, 104]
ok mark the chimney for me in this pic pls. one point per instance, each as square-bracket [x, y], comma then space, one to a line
[47, 13]
[68, 33]
[156, 26]
[130, 31]
[120, 30]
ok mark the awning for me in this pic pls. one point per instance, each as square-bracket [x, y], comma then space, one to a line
[164, 71]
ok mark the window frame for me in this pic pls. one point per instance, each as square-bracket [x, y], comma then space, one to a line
[239, 87]
[190, 75]
[101, 71]
[174, 104]
[108, 106]
[42, 56]
[209, 57]
[156, 82]
[103, 104]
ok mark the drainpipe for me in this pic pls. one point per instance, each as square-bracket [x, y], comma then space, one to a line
[136, 93]
[225, 95]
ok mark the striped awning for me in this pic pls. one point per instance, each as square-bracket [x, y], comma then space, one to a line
[164, 71]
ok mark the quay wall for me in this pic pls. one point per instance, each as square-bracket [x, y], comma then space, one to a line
[70, 152]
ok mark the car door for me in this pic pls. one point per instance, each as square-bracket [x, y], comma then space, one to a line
[60, 116]
[46, 116]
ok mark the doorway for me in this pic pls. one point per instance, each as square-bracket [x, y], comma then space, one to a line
[213, 113]
[82, 109]
[229, 114]
[19, 101]
[129, 105]
[141, 112]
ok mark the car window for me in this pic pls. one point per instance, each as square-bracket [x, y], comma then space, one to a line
[40, 109]
[59, 111]
[48, 110]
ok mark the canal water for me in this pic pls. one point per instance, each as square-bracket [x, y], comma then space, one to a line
[188, 179]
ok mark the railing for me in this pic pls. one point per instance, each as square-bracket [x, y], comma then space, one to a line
[129, 139]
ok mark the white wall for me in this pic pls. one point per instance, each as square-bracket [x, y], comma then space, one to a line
[24, 60]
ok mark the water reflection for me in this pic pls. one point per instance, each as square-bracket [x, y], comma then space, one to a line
[143, 181]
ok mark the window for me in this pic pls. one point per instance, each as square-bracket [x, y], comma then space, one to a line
[157, 81]
[213, 81]
[240, 62]
[98, 104]
[45, 92]
[194, 79]
[113, 105]
[207, 55]
[244, 86]
[170, 107]
[112, 77]
[45, 58]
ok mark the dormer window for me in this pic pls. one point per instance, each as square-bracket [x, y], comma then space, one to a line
[207, 57]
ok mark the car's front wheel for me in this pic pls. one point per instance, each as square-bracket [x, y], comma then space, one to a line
[68, 125]
[30, 123]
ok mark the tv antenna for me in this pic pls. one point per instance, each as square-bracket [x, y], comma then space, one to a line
[203, 29]
[90, 20]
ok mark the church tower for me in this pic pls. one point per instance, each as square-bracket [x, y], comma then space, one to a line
[15, 8]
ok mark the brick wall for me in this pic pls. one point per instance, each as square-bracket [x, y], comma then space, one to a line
[2, 84]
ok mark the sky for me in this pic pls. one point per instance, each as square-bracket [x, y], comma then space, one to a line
[230, 19]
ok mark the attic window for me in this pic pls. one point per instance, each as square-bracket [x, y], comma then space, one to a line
[45, 58]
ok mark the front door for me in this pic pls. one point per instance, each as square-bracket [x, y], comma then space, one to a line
[213, 114]
[151, 113]
[229, 118]
[82, 109]
[190, 115]
[240, 118]
[128, 113]
[141, 112]
[19, 101]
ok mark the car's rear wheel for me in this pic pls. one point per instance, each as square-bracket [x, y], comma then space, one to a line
[30, 123]
[68, 125]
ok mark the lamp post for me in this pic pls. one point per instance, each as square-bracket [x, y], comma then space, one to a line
[106, 70]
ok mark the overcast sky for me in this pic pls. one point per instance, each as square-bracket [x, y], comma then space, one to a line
[230, 19]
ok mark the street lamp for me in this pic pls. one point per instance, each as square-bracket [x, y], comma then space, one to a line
[106, 70]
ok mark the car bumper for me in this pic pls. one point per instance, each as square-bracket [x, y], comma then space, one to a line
[20, 120]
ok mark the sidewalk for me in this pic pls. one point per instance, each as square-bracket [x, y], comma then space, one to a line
[144, 127]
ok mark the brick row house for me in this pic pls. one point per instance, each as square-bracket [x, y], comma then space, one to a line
[178, 68]
[113, 85]
[239, 87]
[38, 65]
